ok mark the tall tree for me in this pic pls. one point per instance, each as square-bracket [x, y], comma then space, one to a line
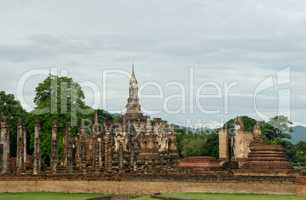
[58, 99]
[248, 123]
[277, 129]
[11, 111]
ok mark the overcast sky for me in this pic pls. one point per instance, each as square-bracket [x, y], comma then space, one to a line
[240, 44]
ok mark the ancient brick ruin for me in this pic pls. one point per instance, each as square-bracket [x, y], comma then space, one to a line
[139, 145]
[136, 144]
[250, 154]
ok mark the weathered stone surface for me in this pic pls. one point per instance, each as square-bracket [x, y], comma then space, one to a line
[20, 150]
[5, 140]
[223, 144]
[200, 164]
[54, 150]
[1, 156]
[37, 155]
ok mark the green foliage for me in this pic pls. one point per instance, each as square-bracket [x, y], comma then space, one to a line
[12, 111]
[60, 100]
[197, 144]
[277, 130]
[248, 123]
[299, 154]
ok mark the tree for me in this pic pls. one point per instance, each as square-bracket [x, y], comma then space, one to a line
[248, 123]
[277, 130]
[11, 111]
[300, 153]
[190, 143]
[61, 100]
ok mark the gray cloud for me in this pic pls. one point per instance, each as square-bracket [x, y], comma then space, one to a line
[238, 41]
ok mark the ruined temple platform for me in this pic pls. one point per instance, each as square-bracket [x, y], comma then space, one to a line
[200, 164]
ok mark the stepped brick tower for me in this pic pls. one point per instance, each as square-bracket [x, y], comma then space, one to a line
[265, 156]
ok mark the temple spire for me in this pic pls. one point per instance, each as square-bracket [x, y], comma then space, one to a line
[133, 70]
[133, 105]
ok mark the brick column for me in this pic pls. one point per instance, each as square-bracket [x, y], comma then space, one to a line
[37, 156]
[54, 152]
[100, 156]
[20, 149]
[66, 146]
[108, 151]
[5, 135]
[223, 144]
[25, 152]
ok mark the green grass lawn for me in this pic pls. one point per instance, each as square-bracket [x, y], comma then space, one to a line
[204, 196]
[195, 196]
[45, 196]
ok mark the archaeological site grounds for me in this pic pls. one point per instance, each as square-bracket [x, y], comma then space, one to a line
[136, 157]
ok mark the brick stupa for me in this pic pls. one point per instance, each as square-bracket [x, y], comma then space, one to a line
[266, 158]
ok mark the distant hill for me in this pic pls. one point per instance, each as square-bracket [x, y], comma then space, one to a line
[298, 134]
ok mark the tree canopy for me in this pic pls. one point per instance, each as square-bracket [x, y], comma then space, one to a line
[13, 113]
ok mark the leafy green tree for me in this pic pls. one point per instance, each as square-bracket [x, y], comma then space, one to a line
[248, 123]
[277, 130]
[300, 153]
[61, 100]
[190, 143]
[11, 111]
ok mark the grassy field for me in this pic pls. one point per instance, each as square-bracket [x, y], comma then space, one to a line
[45, 196]
[195, 196]
[204, 196]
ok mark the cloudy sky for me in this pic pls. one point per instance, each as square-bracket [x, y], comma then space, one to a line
[198, 61]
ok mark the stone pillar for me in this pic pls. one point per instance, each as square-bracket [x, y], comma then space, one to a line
[54, 152]
[78, 154]
[1, 155]
[100, 156]
[223, 144]
[68, 150]
[25, 152]
[70, 156]
[37, 156]
[82, 150]
[5, 138]
[1, 150]
[94, 152]
[120, 156]
[20, 149]
[108, 151]
[66, 146]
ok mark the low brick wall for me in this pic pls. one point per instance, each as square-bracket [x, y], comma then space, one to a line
[146, 186]
[301, 186]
